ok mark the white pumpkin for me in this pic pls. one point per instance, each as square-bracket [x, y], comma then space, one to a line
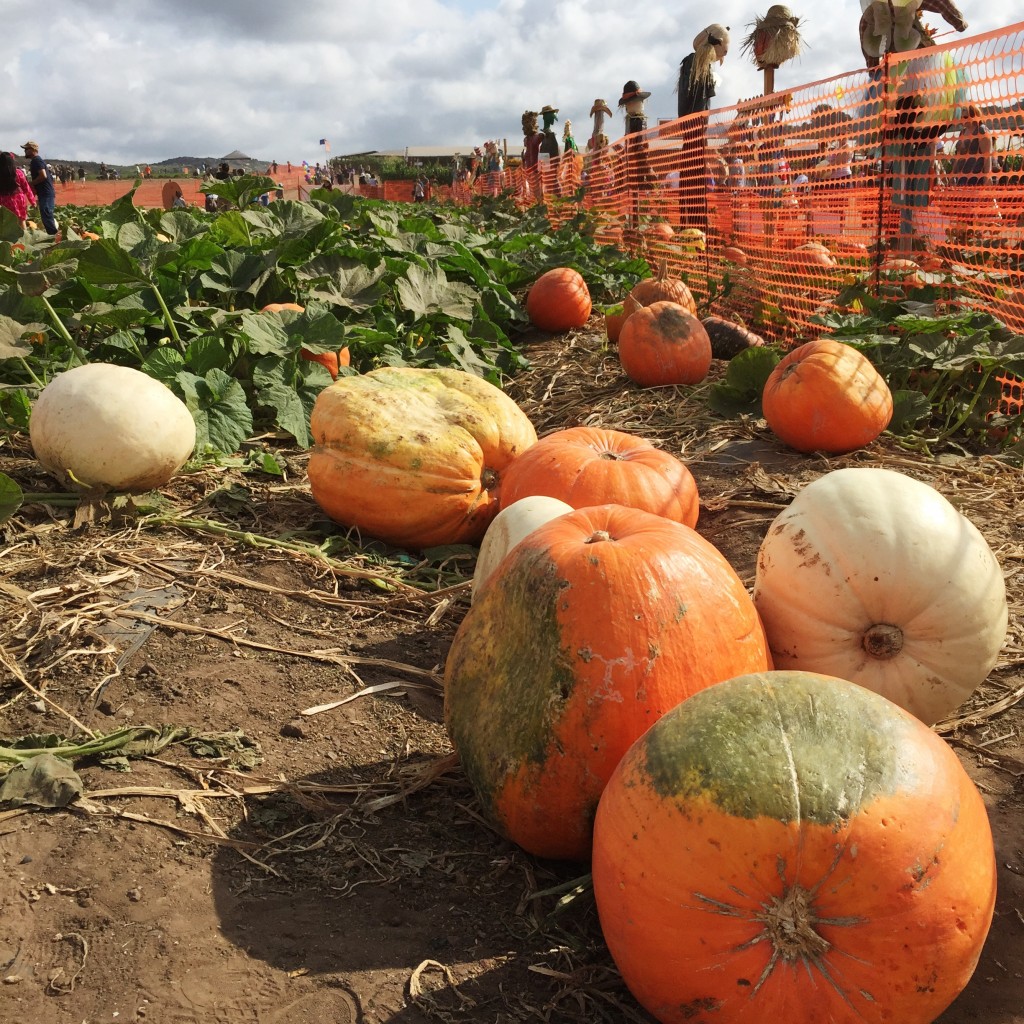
[508, 528]
[875, 577]
[111, 427]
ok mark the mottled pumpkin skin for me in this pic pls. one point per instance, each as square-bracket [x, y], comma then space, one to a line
[664, 344]
[559, 300]
[590, 629]
[826, 396]
[791, 847]
[595, 466]
[414, 457]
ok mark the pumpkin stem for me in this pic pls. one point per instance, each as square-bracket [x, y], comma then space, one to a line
[610, 456]
[488, 478]
[597, 536]
[883, 641]
[789, 924]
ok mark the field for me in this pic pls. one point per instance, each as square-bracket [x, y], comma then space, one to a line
[304, 846]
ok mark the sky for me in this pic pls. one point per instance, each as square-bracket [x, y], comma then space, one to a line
[141, 81]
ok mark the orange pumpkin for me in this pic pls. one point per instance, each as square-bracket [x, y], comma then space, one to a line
[826, 396]
[663, 288]
[585, 466]
[559, 300]
[791, 847]
[591, 627]
[414, 457]
[615, 317]
[278, 307]
[664, 344]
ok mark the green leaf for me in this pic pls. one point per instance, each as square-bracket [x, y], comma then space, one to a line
[11, 497]
[105, 262]
[12, 345]
[909, 410]
[740, 391]
[425, 290]
[218, 405]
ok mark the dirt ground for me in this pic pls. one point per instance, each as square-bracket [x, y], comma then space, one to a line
[280, 867]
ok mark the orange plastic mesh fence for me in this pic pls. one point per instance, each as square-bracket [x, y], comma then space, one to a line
[791, 195]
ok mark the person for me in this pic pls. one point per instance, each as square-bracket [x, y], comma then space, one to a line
[972, 174]
[179, 201]
[41, 179]
[223, 172]
[15, 192]
[419, 191]
[914, 150]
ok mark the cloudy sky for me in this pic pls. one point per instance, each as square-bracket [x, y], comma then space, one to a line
[131, 81]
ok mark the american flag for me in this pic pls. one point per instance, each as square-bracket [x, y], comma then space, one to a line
[326, 145]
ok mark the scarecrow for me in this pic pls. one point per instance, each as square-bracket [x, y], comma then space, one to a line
[896, 26]
[773, 40]
[635, 148]
[597, 171]
[572, 161]
[633, 100]
[532, 138]
[696, 83]
[549, 144]
[598, 139]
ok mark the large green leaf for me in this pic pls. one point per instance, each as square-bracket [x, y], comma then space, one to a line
[11, 497]
[218, 405]
[426, 290]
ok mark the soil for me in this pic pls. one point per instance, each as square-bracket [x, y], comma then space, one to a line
[334, 867]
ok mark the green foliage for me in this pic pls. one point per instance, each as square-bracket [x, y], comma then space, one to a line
[740, 392]
[179, 294]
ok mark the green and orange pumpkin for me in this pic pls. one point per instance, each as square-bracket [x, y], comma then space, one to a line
[592, 627]
[791, 847]
[664, 344]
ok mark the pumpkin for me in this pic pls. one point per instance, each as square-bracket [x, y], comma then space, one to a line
[596, 466]
[875, 577]
[826, 396]
[663, 288]
[593, 626]
[790, 847]
[811, 254]
[733, 254]
[664, 344]
[659, 231]
[729, 338]
[508, 528]
[279, 307]
[110, 428]
[559, 300]
[414, 457]
[616, 316]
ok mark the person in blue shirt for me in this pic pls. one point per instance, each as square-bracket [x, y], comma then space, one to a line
[41, 179]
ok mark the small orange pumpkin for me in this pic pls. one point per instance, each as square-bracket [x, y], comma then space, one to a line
[585, 466]
[826, 396]
[615, 317]
[331, 361]
[278, 307]
[559, 300]
[664, 344]
[663, 288]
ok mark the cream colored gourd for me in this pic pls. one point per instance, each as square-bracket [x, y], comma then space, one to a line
[111, 427]
[509, 527]
[875, 577]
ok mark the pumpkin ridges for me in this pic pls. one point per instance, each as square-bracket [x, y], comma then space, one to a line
[570, 465]
[414, 457]
[885, 863]
[559, 300]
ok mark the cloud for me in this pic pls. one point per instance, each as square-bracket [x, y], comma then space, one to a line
[131, 81]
